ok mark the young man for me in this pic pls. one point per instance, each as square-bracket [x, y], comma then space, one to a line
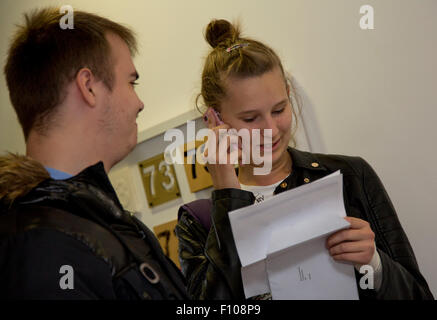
[63, 232]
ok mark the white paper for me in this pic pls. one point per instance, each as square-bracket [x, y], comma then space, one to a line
[268, 234]
[255, 281]
[307, 271]
[290, 235]
[253, 225]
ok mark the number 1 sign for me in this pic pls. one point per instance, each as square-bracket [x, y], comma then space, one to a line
[159, 180]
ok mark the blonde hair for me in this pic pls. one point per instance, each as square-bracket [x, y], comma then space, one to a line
[235, 56]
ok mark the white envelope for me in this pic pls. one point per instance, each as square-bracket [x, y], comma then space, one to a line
[265, 233]
[307, 272]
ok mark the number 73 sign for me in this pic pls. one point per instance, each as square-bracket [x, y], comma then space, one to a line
[159, 180]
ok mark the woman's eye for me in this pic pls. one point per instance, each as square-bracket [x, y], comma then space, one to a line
[279, 111]
[249, 120]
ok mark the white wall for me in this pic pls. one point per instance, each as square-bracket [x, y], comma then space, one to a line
[367, 93]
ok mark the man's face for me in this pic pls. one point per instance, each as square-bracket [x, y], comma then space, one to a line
[122, 105]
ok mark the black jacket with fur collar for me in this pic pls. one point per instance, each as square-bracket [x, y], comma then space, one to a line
[78, 223]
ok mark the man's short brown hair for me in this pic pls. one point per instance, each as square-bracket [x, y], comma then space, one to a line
[43, 58]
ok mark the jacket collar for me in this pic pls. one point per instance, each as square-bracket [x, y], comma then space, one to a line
[96, 176]
[91, 184]
[305, 168]
[306, 160]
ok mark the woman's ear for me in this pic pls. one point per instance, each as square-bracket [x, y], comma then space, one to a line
[85, 81]
[287, 87]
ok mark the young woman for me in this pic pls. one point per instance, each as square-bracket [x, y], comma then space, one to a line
[244, 81]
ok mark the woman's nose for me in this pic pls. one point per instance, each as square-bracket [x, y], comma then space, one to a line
[269, 123]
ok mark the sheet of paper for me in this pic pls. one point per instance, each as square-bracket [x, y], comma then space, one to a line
[266, 233]
[288, 236]
[252, 226]
[308, 272]
[255, 281]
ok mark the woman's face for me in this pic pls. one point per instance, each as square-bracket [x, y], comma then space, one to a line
[260, 102]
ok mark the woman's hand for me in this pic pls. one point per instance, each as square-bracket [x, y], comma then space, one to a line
[356, 244]
[223, 174]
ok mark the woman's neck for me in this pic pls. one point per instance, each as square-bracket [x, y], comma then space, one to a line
[280, 170]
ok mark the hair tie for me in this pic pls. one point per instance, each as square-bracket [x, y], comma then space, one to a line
[236, 46]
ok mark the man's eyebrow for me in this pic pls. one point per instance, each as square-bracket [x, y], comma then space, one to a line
[249, 111]
[135, 75]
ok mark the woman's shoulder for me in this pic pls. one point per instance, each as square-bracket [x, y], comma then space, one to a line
[189, 226]
[349, 165]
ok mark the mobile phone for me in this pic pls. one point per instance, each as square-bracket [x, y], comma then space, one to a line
[210, 112]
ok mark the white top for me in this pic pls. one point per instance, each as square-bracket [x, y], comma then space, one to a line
[261, 193]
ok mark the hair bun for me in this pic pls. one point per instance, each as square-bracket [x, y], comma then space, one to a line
[219, 31]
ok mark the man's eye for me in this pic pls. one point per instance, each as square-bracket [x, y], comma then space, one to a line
[249, 120]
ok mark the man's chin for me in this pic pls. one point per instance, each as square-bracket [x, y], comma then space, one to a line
[130, 147]
[133, 145]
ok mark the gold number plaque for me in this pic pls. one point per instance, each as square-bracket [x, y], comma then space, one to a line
[159, 180]
[168, 240]
[197, 174]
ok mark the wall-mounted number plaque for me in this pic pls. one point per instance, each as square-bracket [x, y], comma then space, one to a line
[159, 180]
[197, 174]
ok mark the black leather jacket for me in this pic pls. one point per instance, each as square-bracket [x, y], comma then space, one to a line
[214, 273]
[80, 222]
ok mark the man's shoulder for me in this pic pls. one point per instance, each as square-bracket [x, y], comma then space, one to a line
[68, 231]
[42, 242]
[33, 264]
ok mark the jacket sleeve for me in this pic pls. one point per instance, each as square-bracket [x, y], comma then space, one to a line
[30, 268]
[209, 260]
[401, 278]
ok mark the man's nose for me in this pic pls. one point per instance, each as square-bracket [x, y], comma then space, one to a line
[141, 106]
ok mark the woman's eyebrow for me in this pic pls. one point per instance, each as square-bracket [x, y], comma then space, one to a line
[245, 112]
[255, 110]
[280, 103]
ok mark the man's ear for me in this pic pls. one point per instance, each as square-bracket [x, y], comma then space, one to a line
[85, 81]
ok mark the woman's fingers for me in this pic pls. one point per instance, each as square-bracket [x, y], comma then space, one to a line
[356, 223]
[345, 235]
[360, 258]
[351, 247]
[358, 230]
[356, 244]
[220, 154]
[223, 146]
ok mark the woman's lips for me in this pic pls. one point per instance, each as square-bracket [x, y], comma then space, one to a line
[272, 147]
